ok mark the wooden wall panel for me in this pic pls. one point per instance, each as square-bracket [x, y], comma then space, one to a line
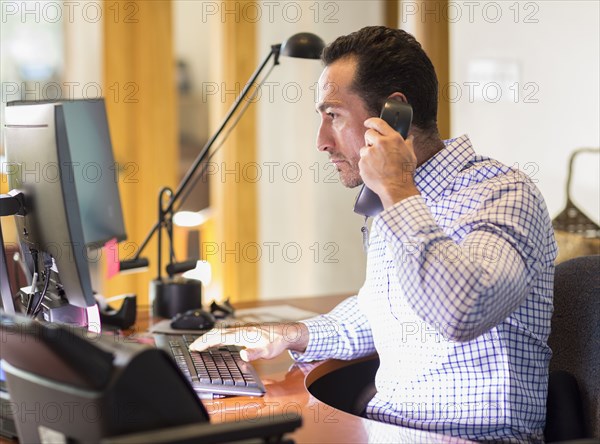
[139, 81]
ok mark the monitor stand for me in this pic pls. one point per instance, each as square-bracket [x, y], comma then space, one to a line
[55, 309]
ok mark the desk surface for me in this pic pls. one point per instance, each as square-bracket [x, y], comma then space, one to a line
[287, 393]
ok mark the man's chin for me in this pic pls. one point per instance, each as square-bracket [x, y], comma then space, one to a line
[351, 182]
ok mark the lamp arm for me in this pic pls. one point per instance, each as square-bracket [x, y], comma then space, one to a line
[205, 150]
[163, 215]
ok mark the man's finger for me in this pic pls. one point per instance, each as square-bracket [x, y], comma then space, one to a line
[245, 355]
[379, 125]
[209, 339]
[371, 137]
[250, 354]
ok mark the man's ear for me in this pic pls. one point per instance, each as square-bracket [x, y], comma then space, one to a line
[398, 96]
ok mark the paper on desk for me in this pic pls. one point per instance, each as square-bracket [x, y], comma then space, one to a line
[273, 313]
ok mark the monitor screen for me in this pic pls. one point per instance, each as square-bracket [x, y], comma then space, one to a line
[95, 171]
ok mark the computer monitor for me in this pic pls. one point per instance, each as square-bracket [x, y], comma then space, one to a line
[95, 172]
[60, 157]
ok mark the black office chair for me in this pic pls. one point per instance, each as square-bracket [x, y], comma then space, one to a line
[573, 409]
[349, 387]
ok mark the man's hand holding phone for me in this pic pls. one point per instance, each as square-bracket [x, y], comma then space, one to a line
[387, 162]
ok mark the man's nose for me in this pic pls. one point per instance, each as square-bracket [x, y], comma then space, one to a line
[324, 139]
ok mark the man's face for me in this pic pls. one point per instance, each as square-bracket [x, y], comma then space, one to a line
[343, 112]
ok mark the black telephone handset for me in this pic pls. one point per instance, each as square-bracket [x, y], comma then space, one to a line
[398, 115]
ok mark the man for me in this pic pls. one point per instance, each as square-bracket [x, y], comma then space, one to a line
[458, 294]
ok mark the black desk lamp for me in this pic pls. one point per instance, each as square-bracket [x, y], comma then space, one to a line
[172, 296]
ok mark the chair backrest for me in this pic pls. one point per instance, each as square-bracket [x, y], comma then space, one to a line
[575, 334]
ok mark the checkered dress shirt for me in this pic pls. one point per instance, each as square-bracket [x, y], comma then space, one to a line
[457, 302]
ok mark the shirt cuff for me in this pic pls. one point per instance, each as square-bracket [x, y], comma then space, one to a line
[323, 334]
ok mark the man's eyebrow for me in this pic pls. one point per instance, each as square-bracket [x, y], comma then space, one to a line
[324, 105]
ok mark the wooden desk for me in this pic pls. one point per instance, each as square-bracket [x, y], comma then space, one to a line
[287, 393]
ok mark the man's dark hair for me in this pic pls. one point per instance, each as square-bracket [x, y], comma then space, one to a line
[389, 60]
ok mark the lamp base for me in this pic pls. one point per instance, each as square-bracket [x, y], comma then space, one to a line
[172, 296]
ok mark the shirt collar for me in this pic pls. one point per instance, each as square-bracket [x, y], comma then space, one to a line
[436, 174]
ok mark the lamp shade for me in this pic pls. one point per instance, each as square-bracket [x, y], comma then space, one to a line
[303, 45]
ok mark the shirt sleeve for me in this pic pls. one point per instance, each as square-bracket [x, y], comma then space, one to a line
[343, 333]
[466, 283]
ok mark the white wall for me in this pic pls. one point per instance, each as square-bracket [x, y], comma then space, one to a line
[305, 214]
[555, 47]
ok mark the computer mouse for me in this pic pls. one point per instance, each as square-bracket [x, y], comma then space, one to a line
[195, 319]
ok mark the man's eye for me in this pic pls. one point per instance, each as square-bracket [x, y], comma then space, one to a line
[332, 115]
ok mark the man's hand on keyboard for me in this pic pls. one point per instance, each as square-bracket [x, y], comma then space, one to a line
[259, 340]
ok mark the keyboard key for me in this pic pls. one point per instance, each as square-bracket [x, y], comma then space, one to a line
[190, 338]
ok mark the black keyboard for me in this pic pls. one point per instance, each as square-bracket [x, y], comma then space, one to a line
[216, 371]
